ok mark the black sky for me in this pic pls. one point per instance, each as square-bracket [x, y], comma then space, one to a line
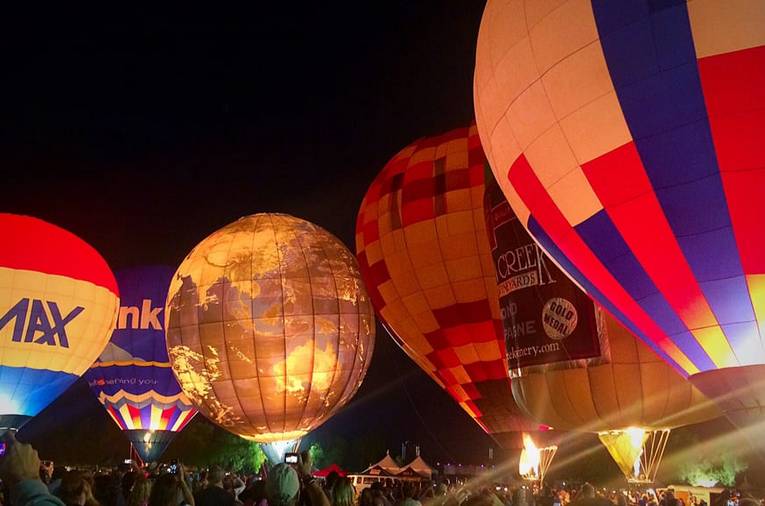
[143, 133]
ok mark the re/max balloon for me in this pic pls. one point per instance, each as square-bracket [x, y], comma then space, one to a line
[58, 302]
[132, 378]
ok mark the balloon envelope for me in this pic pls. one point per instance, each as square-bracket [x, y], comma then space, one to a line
[58, 302]
[269, 328]
[628, 140]
[574, 367]
[423, 250]
[133, 378]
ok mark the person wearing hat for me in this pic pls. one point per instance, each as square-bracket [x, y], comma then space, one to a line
[293, 486]
[282, 486]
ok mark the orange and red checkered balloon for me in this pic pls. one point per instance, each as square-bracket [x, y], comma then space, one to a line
[423, 250]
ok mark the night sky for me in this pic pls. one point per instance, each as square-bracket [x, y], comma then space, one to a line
[143, 134]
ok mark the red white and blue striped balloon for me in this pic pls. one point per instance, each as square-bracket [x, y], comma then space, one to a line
[628, 137]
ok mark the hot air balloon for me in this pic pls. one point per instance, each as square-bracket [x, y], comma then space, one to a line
[573, 366]
[269, 328]
[424, 254]
[628, 140]
[132, 378]
[58, 302]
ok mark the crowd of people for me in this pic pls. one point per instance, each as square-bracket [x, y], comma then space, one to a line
[28, 482]
[480, 494]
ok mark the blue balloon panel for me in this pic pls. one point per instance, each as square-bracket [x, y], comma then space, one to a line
[133, 378]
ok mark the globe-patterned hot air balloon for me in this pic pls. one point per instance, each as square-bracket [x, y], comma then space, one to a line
[423, 250]
[627, 137]
[58, 303]
[573, 366]
[133, 378]
[269, 328]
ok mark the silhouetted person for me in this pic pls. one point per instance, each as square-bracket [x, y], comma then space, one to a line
[329, 483]
[170, 489]
[20, 471]
[255, 494]
[668, 499]
[214, 494]
[342, 492]
[378, 496]
[408, 493]
[587, 497]
[545, 498]
[75, 489]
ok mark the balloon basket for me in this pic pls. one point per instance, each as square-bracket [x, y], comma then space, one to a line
[150, 444]
[276, 450]
[637, 451]
[534, 462]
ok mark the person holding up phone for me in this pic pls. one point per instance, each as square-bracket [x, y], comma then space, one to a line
[20, 469]
[171, 490]
[293, 485]
[46, 472]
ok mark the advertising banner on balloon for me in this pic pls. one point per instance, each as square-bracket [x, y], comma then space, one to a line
[546, 317]
[133, 378]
